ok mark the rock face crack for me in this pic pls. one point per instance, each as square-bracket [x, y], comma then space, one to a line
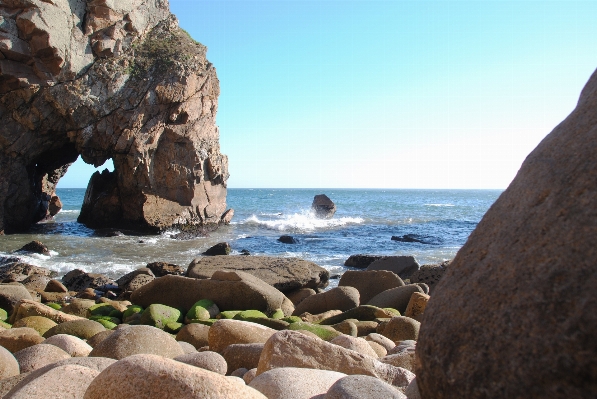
[105, 80]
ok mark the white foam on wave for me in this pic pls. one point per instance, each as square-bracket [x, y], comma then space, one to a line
[440, 205]
[304, 221]
[70, 211]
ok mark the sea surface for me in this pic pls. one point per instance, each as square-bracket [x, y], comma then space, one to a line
[364, 223]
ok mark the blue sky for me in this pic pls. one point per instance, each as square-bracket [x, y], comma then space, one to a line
[387, 94]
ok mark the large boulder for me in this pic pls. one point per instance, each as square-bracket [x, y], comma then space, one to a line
[430, 274]
[295, 383]
[9, 366]
[293, 349]
[229, 290]
[11, 294]
[323, 207]
[370, 283]
[15, 339]
[362, 386]
[227, 332]
[514, 315]
[151, 376]
[396, 298]
[339, 298]
[285, 274]
[38, 356]
[101, 80]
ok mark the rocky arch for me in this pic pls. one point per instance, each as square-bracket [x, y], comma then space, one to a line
[104, 79]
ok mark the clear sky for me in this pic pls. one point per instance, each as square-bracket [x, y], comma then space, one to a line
[388, 94]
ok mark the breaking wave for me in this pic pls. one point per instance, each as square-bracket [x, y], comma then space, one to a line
[301, 222]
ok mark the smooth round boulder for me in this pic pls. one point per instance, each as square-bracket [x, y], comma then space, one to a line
[387, 343]
[396, 298]
[403, 266]
[38, 356]
[206, 360]
[72, 345]
[186, 347]
[9, 366]
[155, 377]
[137, 340]
[99, 337]
[400, 328]
[66, 381]
[250, 375]
[195, 334]
[11, 294]
[362, 386]
[340, 298]
[370, 283]
[78, 307]
[295, 383]
[83, 329]
[514, 315]
[38, 323]
[430, 274]
[15, 339]
[227, 332]
[239, 356]
[356, 344]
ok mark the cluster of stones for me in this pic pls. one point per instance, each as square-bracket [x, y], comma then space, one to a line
[223, 334]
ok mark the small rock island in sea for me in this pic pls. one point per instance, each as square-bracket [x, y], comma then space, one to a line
[512, 316]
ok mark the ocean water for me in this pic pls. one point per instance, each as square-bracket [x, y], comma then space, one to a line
[364, 222]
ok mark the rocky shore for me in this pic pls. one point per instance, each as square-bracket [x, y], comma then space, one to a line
[227, 327]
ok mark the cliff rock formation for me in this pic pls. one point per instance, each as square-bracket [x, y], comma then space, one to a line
[107, 79]
[514, 315]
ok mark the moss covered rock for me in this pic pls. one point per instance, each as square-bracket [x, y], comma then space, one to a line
[278, 314]
[38, 323]
[327, 333]
[173, 327]
[83, 329]
[250, 314]
[100, 309]
[361, 313]
[292, 319]
[131, 311]
[3, 315]
[228, 314]
[158, 315]
[54, 305]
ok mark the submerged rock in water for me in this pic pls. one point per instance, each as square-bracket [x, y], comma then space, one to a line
[222, 248]
[36, 247]
[514, 315]
[116, 81]
[287, 239]
[323, 207]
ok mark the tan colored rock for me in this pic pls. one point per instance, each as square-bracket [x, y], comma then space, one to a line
[520, 294]
[239, 372]
[400, 328]
[347, 327]
[356, 344]
[316, 318]
[378, 349]
[227, 332]
[11, 294]
[362, 386]
[292, 349]
[195, 334]
[38, 323]
[401, 356]
[387, 343]
[27, 308]
[15, 339]
[396, 298]
[38, 356]
[67, 381]
[100, 97]
[137, 340]
[78, 307]
[55, 286]
[250, 375]
[99, 337]
[72, 345]
[186, 347]
[229, 291]
[403, 266]
[294, 383]
[9, 383]
[285, 274]
[9, 366]
[130, 379]
[339, 298]
[417, 304]
[206, 360]
[296, 296]
[370, 283]
[412, 390]
[242, 356]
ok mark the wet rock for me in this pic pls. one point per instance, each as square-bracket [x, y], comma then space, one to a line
[137, 340]
[323, 207]
[78, 280]
[36, 247]
[361, 261]
[285, 274]
[287, 240]
[160, 269]
[340, 298]
[410, 238]
[295, 383]
[430, 274]
[403, 266]
[222, 248]
[370, 283]
[127, 379]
